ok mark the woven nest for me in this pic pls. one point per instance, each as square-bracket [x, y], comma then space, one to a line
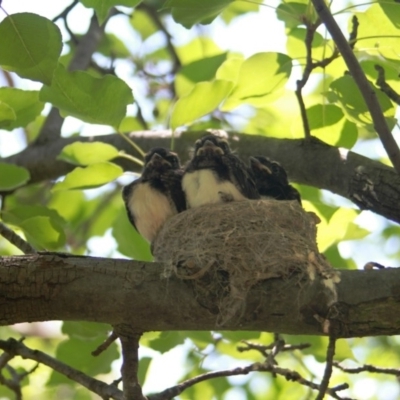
[223, 250]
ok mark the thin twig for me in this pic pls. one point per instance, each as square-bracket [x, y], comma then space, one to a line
[152, 13]
[363, 84]
[130, 367]
[105, 345]
[369, 368]
[14, 347]
[16, 240]
[384, 86]
[328, 368]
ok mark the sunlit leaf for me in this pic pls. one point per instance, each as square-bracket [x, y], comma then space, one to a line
[92, 176]
[43, 232]
[30, 46]
[238, 8]
[143, 24]
[12, 176]
[90, 99]
[379, 25]
[229, 69]
[339, 227]
[112, 46]
[197, 49]
[346, 93]
[191, 12]
[103, 7]
[88, 153]
[24, 104]
[130, 124]
[197, 71]
[260, 78]
[203, 99]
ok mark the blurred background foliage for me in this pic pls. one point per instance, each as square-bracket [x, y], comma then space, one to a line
[162, 64]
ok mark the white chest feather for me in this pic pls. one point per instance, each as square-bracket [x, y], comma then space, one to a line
[202, 187]
[150, 209]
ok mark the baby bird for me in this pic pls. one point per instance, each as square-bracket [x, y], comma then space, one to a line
[157, 195]
[271, 180]
[216, 175]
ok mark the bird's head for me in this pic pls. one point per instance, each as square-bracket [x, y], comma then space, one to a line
[263, 168]
[159, 159]
[211, 146]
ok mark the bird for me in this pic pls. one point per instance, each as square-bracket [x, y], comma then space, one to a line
[157, 195]
[216, 175]
[271, 180]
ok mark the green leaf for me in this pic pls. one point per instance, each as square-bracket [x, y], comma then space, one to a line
[103, 7]
[130, 243]
[197, 71]
[112, 46]
[143, 24]
[238, 8]
[77, 353]
[338, 228]
[12, 176]
[25, 105]
[260, 79]
[197, 49]
[87, 153]
[85, 330]
[203, 99]
[291, 13]
[229, 69]
[191, 12]
[19, 214]
[30, 46]
[90, 177]
[87, 98]
[167, 341]
[379, 25]
[345, 92]
[7, 116]
[43, 232]
[144, 364]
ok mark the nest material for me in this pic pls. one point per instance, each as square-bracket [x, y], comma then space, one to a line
[223, 250]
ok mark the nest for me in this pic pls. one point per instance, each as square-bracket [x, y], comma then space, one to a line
[223, 250]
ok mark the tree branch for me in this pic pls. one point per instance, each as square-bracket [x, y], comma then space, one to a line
[14, 347]
[369, 184]
[130, 366]
[57, 287]
[365, 87]
[16, 240]
[330, 353]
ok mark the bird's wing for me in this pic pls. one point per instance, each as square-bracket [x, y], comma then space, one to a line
[173, 182]
[126, 196]
[241, 177]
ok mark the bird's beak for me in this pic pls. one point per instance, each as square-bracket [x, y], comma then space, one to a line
[258, 165]
[157, 160]
[209, 148]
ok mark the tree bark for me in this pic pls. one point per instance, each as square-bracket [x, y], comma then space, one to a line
[135, 295]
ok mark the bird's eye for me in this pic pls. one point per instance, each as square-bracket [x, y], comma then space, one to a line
[275, 167]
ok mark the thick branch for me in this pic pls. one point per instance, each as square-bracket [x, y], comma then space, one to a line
[58, 287]
[370, 184]
[130, 367]
[359, 77]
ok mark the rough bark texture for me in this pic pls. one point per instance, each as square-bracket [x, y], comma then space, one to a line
[52, 286]
[369, 184]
